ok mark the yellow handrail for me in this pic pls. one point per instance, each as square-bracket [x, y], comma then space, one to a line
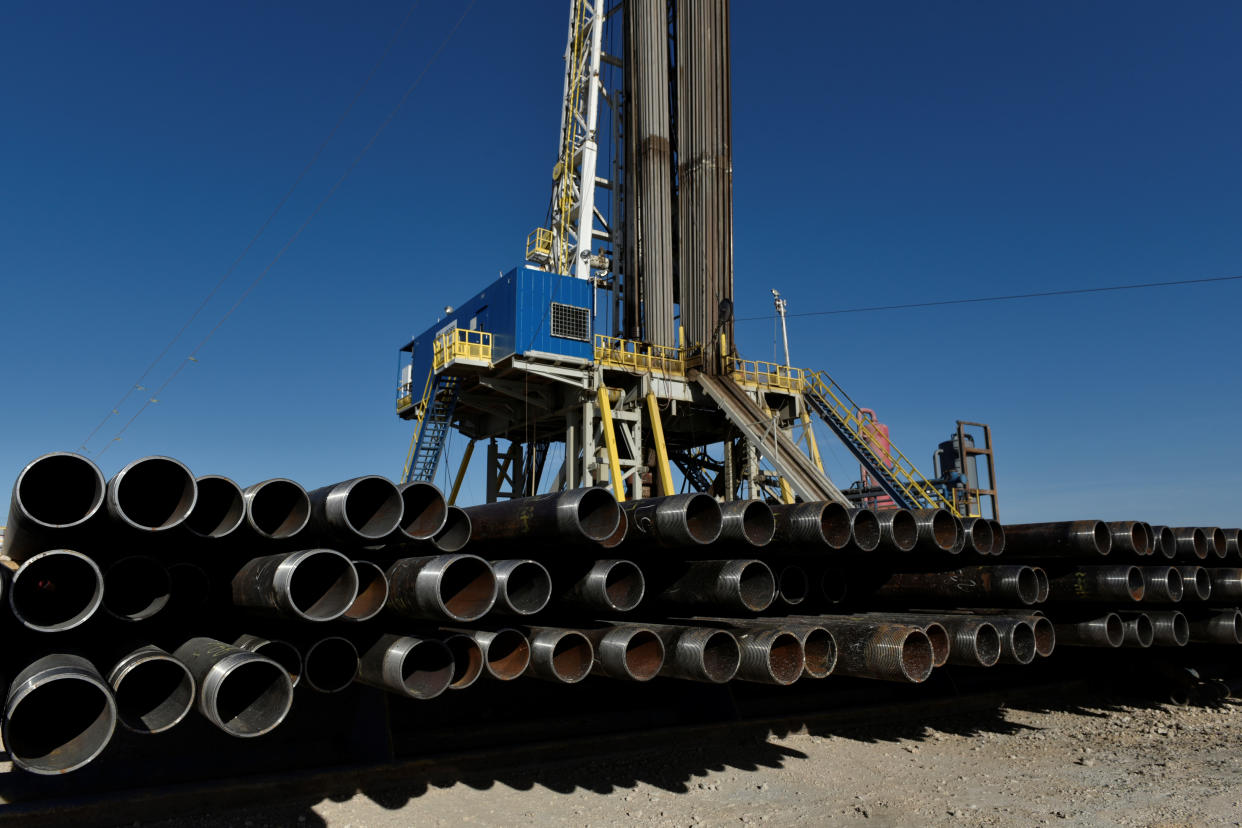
[460, 343]
[767, 374]
[630, 355]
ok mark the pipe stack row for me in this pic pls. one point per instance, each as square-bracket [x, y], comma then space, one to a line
[156, 595]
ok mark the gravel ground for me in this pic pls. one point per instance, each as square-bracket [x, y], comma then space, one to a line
[1105, 765]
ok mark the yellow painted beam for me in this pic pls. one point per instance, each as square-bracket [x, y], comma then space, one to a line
[786, 492]
[657, 434]
[610, 440]
[461, 472]
[810, 440]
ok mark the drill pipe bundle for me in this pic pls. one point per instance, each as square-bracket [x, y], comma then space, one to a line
[1104, 631]
[1124, 584]
[879, 649]
[972, 641]
[969, 585]
[1169, 628]
[578, 515]
[683, 520]
[631, 652]
[1078, 539]
[365, 509]
[747, 523]
[728, 586]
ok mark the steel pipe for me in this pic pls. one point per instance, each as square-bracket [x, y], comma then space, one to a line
[136, 588]
[626, 651]
[559, 655]
[819, 648]
[1137, 630]
[219, 509]
[1217, 543]
[424, 512]
[1105, 631]
[1045, 634]
[1161, 584]
[506, 652]
[618, 537]
[973, 641]
[610, 585]
[1098, 583]
[747, 523]
[1169, 628]
[998, 536]
[770, 656]
[701, 654]
[362, 510]
[417, 668]
[55, 591]
[1231, 543]
[276, 509]
[151, 494]
[58, 715]
[372, 592]
[898, 530]
[792, 585]
[810, 527]
[153, 691]
[692, 519]
[309, 585]
[1163, 542]
[1068, 539]
[442, 588]
[1220, 627]
[523, 587]
[281, 652]
[938, 532]
[1196, 582]
[864, 530]
[977, 536]
[964, 586]
[54, 497]
[589, 514]
[467, 659]
[1191, 543]
[330, 664]
[241, 692]
[880, 650]
[937, 634]
[455, 533]
[1226, 585]
[736, 586]
[1129, 537]
[1045, 586]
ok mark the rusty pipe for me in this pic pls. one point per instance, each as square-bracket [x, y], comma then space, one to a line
[442, 587]
[1104, 631]
[559, 655]
[219, 509]
[898, 529]
[1045, 587]
[973, 641]
[276, 509]
[589, 514]
[703, 654]
[1161, 584]
[617, 537]
[241, 692]
[153, 691]
[364, 509]
[1098, 583]
[811, 527]
[523, 587]
[417, 668]
[53, 499]
[819, 648]
[456, 531]
[770, 656]
[330, 664]
[692, 519]
[281, 652]
[731, 585]
[1191, 543]
[938, 532]
[1066, 539]
[937, 634]
[506, 652]
[424, 512]
[59, 714]
[747, 523]
[880, 650]
[1129, 538]
[308, 585]
[55, 590]
[976, 536]
[372, 592]
[998, 536]
[864, 530]
[467, 655]
[610, 585]
[626, 651]
[135, 588]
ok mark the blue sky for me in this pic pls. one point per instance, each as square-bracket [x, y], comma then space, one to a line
[884, 153]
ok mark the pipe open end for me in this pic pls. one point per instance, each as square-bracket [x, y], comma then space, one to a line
[998, 536]
[905, 530]
[1217, 543]
[944, 530]
[792, 585]
[1200, 543]
[527, 587]
[834, 524]
[572, 656]
[281, 652]
[917, 657]
[833, 585]
[819, 649]
[467, 588]
[597, 513]
[55, 591]
[323, 586]
[1181, 629]
[1045, 636]
[330, 664]
[1144, 631]
[1135, 583]
[938, 637]
[135, 588]
[981, 536]
[373, 507]
[1027, 585]
[865, 530]
[1045, 587]
[618, 536]
[508, 654]
[1143, 540]
[756, 586]
[153, 694]
[1237, 627]
[786, 660]
[154, 493]
[60, 490]
[1203, 583]
[59, 724]
[372, 592]
[987, 644]
[427, 669]
[1166, 543]
[1102, 537]
[1022, 640]
[455, 533]
[253, 698]
[467, 660]
[703, 519]
[644, 655]
[219, 509]
[721, 657]
[1174, 585]
[1114, 629]
[758, 523]
[423, 510]
[624, 585]
[278, 508]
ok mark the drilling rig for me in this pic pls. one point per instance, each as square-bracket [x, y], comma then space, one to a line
[610, 348]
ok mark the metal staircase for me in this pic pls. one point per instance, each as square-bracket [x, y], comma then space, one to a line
[896, 475]
[435, 412]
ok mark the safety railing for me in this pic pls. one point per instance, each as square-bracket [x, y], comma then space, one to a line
[461, 343]
[767, 374]
[539, 245]
[629, 355]
[903, 473]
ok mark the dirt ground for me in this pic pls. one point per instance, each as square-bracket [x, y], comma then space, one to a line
[1099, 765]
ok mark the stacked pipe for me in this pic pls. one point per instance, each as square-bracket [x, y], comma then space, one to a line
[154, 596]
